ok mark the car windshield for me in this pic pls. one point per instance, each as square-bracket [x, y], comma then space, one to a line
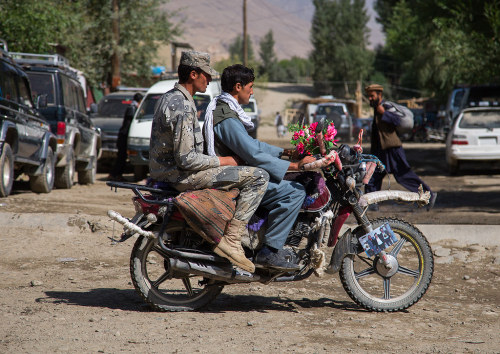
[201, 102]
[326, 110]
[43, 84]
[113, 107]
[249, 107]
[480, 120]
[147, 108]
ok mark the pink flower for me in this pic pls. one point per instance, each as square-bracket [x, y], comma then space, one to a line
[313, 126]
[295, 135]
[301, 133]
[300, 148]
[330, 132]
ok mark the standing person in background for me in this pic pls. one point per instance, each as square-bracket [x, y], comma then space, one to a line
[386, 145]
[121, 156]
[280, 127]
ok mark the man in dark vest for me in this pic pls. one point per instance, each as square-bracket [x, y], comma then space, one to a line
[225, 130]
[176, 155]
[386, 145]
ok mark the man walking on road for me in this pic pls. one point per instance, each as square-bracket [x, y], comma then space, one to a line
[386, 145]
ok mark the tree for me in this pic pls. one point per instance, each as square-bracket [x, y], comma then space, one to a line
[268, 56]
[439, 44]
[236, 49]
[82, 28]
[339, 36]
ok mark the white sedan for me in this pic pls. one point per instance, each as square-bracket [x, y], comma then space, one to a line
[474, 137]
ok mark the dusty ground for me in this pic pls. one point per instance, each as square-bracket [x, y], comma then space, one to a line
[65, 288]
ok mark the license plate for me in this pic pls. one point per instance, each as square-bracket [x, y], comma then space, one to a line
[378, 240]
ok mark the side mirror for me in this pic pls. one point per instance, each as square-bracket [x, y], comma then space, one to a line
[41, 101]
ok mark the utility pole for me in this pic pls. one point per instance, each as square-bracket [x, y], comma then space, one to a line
[245, 51]
[115, 57]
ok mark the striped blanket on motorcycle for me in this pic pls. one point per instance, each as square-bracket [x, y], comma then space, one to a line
[208, 211]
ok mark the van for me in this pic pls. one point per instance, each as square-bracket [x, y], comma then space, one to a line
[140, 128]
[338, 114]
[252, 110]
[464, 96]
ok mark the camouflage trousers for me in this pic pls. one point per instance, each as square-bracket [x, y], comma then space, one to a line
[251, 182]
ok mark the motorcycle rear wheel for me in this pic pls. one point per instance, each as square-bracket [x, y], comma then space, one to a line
[374, 287]
[163, 291]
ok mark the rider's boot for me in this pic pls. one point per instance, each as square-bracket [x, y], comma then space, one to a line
[230, 245]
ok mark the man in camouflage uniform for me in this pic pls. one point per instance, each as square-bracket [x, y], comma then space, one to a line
[176, 155]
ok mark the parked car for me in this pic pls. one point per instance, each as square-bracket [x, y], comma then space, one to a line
[474, 138]
[463, 96]
[338, 114]
[78, 140]
[362, 123]
[140, 129]
[252, 110]
[26, 142]
[109, 118]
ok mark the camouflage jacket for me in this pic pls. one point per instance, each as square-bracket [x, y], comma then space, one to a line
[176, 146]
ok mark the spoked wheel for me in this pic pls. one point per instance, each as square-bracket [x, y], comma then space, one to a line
[378, 288]
[159, 286]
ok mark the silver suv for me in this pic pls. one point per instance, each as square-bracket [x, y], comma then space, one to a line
[338, 114]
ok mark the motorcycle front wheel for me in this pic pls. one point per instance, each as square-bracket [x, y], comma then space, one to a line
[163, 289]
[377, 288]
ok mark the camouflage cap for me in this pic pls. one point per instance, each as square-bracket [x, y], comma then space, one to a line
[198, 59]
[374, 87]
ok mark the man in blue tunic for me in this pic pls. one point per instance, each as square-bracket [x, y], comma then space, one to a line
[386, 145]
[226, 134]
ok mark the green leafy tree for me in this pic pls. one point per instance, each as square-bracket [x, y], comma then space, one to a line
[37, 26]
[268, 56]
[441, 43]
[339, 35]
[236, 49]
[83, 29]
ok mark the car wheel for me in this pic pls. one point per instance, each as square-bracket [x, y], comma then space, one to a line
[88, 176]
[6, 170]
[44, 182]
[65, 175]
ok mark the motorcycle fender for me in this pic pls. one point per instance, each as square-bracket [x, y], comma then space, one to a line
[346, 245]
[421, 198]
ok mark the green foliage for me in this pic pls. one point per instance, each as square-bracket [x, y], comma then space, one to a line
[236, 49]
[36, 26]
[339, 36]
[84, 29]
[437, 44]
[268, 56]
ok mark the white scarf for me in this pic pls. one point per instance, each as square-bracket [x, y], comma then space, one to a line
[208, 125]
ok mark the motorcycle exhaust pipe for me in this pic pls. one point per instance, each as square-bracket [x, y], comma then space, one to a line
[211, 270]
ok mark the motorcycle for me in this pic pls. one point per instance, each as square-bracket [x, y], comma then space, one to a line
[385, 264]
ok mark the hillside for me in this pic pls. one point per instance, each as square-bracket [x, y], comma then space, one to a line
[212, 25]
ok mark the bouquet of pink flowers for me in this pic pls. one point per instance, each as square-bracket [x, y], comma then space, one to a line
[305, 141]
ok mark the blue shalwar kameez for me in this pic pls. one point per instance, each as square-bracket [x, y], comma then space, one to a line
[282, 199]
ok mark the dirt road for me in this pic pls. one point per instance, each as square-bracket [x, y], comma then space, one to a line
[65, 288]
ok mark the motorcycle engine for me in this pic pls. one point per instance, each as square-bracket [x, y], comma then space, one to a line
[301, 230]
